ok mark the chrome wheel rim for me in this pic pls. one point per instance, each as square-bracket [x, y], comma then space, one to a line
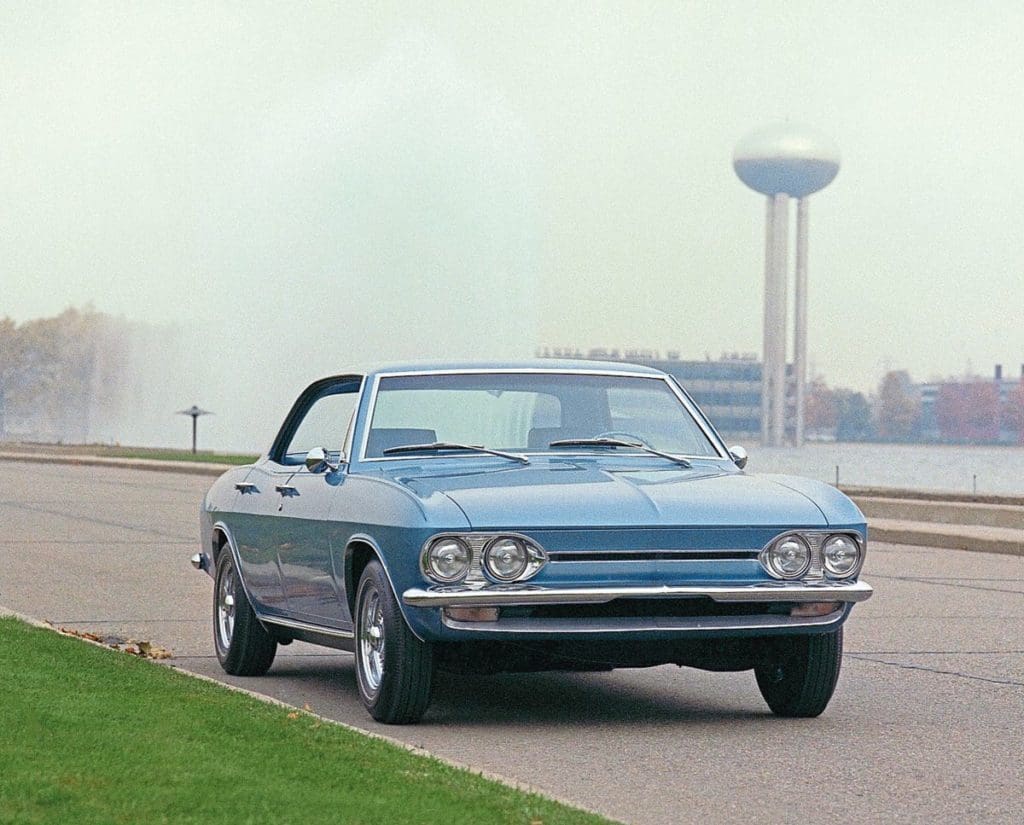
[226, 607]
[371, 640]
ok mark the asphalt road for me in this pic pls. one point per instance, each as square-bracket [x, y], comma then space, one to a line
[927, 723]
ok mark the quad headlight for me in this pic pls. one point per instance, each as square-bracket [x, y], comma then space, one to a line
[447, 559]
[788, 557]
[813, 555]
[506, 559]
[842, 556]
[476, 558]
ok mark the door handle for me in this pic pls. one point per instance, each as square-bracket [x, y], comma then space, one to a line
[245, 486]
[287, 490]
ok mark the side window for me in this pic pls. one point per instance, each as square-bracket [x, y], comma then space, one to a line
[324, 425]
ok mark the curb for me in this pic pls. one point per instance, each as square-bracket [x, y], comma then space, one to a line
[855, 492]
[946, 539]
[187, 467]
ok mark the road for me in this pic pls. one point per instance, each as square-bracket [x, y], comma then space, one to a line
[926, 724]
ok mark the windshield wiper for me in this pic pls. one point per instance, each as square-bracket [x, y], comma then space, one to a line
[618, 442]
[450, 445]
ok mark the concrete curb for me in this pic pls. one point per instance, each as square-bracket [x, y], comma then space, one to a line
[946, 536]
[197, 468]
[931, 495]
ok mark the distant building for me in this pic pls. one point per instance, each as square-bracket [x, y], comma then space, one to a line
[728, 389]
[974, 410]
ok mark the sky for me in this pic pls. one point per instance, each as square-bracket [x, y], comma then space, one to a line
[289, 189]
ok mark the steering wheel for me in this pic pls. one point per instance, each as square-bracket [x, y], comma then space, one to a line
[620, 434]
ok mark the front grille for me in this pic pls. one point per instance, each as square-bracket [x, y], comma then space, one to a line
[647, 608]
[655, 555]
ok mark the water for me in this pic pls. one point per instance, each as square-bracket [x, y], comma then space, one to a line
[993, 470]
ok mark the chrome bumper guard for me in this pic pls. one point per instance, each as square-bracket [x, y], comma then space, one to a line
[523, 595]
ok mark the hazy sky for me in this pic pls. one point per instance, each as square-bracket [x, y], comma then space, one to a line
[328, 182]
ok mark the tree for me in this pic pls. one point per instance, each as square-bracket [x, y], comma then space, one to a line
[819, 408]
[51, 373]
[899, 407]
[853, 416]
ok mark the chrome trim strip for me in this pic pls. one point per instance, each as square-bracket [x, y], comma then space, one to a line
[773, 591]
[346, 445]
[526, 626]
[312, 628]
[698, 418]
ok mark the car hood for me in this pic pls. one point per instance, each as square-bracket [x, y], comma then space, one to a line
[585, 494]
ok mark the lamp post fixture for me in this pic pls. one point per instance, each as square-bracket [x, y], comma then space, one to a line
[784, 160]
[195, 412]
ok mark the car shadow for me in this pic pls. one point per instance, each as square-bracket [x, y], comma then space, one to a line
[627, 696]
[581, 699]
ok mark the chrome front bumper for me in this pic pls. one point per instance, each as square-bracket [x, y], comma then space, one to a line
[524, 595]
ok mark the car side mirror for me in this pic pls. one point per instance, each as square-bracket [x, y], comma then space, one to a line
[738, 455]
[316, 461]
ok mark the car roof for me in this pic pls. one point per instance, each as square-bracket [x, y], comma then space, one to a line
[533, 365]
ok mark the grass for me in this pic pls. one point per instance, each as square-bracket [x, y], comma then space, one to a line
[152, 453]
[96, 736]
[160, 454]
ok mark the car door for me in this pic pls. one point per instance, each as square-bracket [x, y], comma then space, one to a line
[304, 536]
[253, 526]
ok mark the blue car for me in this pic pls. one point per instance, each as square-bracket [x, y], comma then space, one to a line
[523, 517]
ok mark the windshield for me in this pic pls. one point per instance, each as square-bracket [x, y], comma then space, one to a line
[526, 412]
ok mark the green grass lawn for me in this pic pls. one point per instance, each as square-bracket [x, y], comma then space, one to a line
[112, 451]
[89, 735]
[160, 454]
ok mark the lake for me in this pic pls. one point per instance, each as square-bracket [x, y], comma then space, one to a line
[997, 470]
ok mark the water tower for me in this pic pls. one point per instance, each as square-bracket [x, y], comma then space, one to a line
[784, 161]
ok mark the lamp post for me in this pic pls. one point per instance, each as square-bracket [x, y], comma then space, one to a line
[195, 412]
[784, 161]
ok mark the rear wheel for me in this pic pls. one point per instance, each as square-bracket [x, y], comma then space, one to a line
[798, 674]
[244, 648]
[394, 669]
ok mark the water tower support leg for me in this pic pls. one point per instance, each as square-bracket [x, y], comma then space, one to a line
[800, 310]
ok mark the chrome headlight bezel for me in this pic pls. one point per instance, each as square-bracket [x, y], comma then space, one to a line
[533, 559]
[479, 572]
[858, 562]
[490, 561]
[427, 565]
[815, 541]
[769, 562]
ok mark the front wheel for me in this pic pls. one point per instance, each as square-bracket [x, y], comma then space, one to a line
[394, 669]
[798, 674]
[244, 648]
